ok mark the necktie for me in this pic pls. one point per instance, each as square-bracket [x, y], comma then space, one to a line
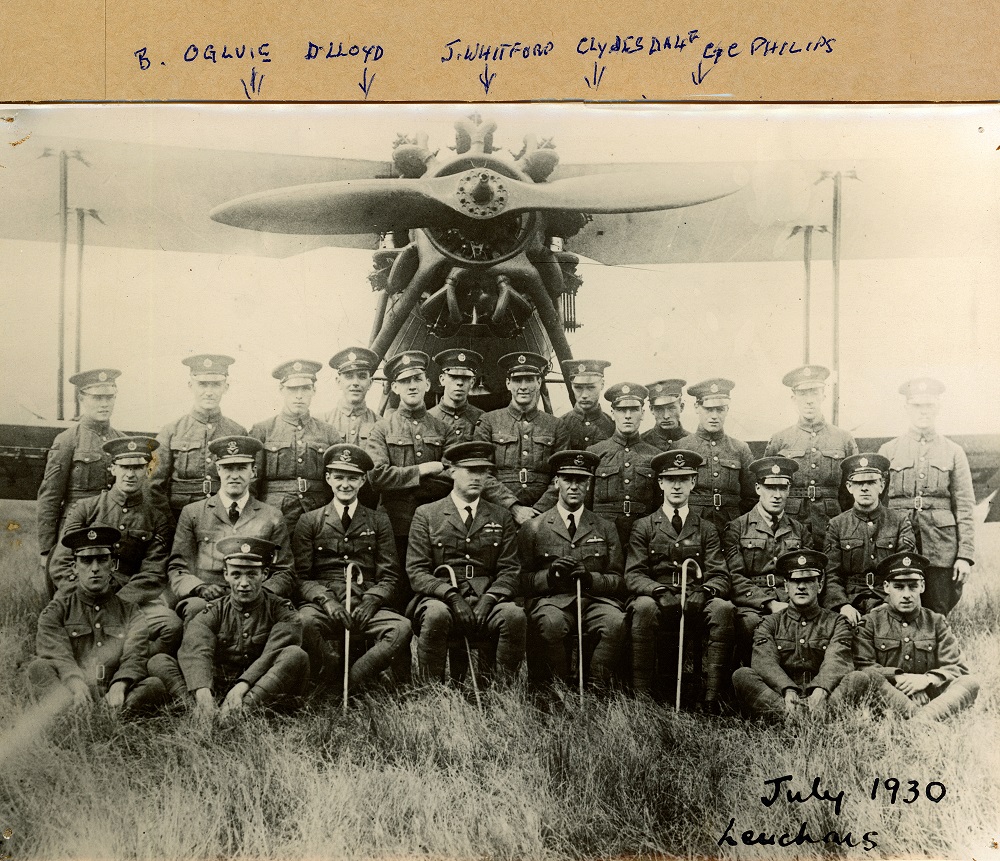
[234, 513]
[346, 518]
[468, 518]
[676, 521]
[571, 525]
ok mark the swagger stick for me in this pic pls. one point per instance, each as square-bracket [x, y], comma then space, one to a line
[579, 636]
[468, 648]
[348, 579]
[680, 638]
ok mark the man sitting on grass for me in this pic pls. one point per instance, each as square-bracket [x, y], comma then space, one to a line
[801, 656]
[246, 643]
[911, 650]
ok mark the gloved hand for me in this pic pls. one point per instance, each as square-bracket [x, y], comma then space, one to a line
[336, 611]
[561, 574]
[362, 614]
[484, 606]
[465, 619]
[668, 600]
[696, 601]
[581, 573]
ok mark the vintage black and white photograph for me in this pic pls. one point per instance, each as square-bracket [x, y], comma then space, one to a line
[504, 481]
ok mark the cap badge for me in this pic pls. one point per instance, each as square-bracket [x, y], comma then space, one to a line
[863, 461]
[679, 460]
[406, 360]
[802, 560]
[352, 356]
[345, 456]
[922, 386]
[578, 460]
[625, 390]
[461, 357]
[807, 372]
[244, 548]
[92, 535]
[775, 468]
[207, 363]
[657, 388]
[233, 447]
[131, 446]
[102, 376]
[521, 360]
[297, 366]
[715, 387]
[582, 369]
[906, 560]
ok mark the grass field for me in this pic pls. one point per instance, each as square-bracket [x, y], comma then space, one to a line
[428, 775]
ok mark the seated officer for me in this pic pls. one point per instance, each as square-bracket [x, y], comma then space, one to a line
[659, 546]
[91, 645]
[666, 406]
[753, 542]
[196, 569]
[802, 655]
[478, 540]
[586, 424]
[564, 545]
[141, 574]
[325, 542]
[290, 465]
[459, 370]
[245, 645]
[910, 649]
[857, 540]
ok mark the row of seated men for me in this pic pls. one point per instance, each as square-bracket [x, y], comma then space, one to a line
[515, 591]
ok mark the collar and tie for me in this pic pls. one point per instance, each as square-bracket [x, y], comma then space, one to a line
[675, 522]
[468, 519]
[234, 513]
[571, 524]
[345, 518]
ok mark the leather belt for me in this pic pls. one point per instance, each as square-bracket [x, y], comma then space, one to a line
[206, 486]
[813, 492]
[297, 485]
[920, 503]
[716, 499]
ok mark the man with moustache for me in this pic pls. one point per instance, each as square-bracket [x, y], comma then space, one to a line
[459, 370]
[290, 464]
[666, 405]
[857, 540]
[185, 471]
[586, 424]
[816, 446]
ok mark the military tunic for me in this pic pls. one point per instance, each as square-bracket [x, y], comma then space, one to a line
[725, 487]
[663, 440]
[855, 543]
[185, 470]
[76, 468]
[354, 424]
[579, 429]
[752, 546]
[522, 443]
[462, 422]
[290, 472]
[625, 487]
[818, 448]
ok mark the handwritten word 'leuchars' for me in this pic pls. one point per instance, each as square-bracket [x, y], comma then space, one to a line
[495, 52]
[635, 44]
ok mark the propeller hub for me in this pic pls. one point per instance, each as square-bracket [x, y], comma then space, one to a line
[481, 193]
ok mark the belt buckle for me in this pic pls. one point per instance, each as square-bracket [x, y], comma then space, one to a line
[469, 571]
[206, 487]
[811, 492]
[627, 506]
[522, 475]
[100, 672]
[770, 581]
[870, 579]
[675, 577]
[302, 485]
[717, 500]
[918, 503]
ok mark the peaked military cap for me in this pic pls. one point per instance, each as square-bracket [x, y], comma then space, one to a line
[208, 366]
[100, 381]
[235, 449]
[584, 370]
[524, 364]
[574, 462]
[406, 364]
[806, 377]
[801, 564]
[922, 390]
[677, 461]
[131, 450]
[712, 393]
[246, 550]
[665, 391]
[905, 565]
[297, 372]
[864, 465]
[347, 458]
[626, 395]
[470, 454]
[355, 359]
[83, 542]
[773, 470]
[460, 362]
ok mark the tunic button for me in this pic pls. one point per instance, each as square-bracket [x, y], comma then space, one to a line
[99, 643]
[627, 463]
[97, 624]
[626, 449]
[525, 453]
[587, 424]
[418, 436]
[300, 460]
[921, 475]
[801, 640]
[466, 555]
[803, 624]
[98, 609]
[906, 624]
[814, 449]
[716, 457]
[814, 466]
[124, 511]
[713, 443]
[906, 639]
[246, 615]
[626, 481]
[906, 657]
[468, 540]
[715, 474]
[812, 480]
[419, 453]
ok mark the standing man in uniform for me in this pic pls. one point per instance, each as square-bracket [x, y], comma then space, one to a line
[857, 540]
[77, 466]
[406, 449]
[929, 479]
[459, 370]
[140, 575]
[816, 446]
[196, 567]
[586, 424]
[185, 471]
[351, 417]
[666, 405]
[479, 541]
[752, 544]
[523, 438]
[561, 546]
[290, 465]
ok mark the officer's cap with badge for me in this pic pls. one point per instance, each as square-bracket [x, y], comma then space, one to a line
[807, 377]
[354, 359]
[460, 362]
[523, 365]
[712, 393]
[235, 449]
[407, 364]
[864, 466]
[904, 565]
[626, 395]
[131, 450]
[470, 454]
[677, 461]
[245, 550]
[775, 471]
[297, 373]
[344, 457]
[92, 540]
[100, 381]
[574, 462]
[209, 366]
[801, 564]
[665, 391]
[922, 390]
[582, 371]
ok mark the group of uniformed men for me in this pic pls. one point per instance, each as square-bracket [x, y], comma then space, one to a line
[235, 570]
